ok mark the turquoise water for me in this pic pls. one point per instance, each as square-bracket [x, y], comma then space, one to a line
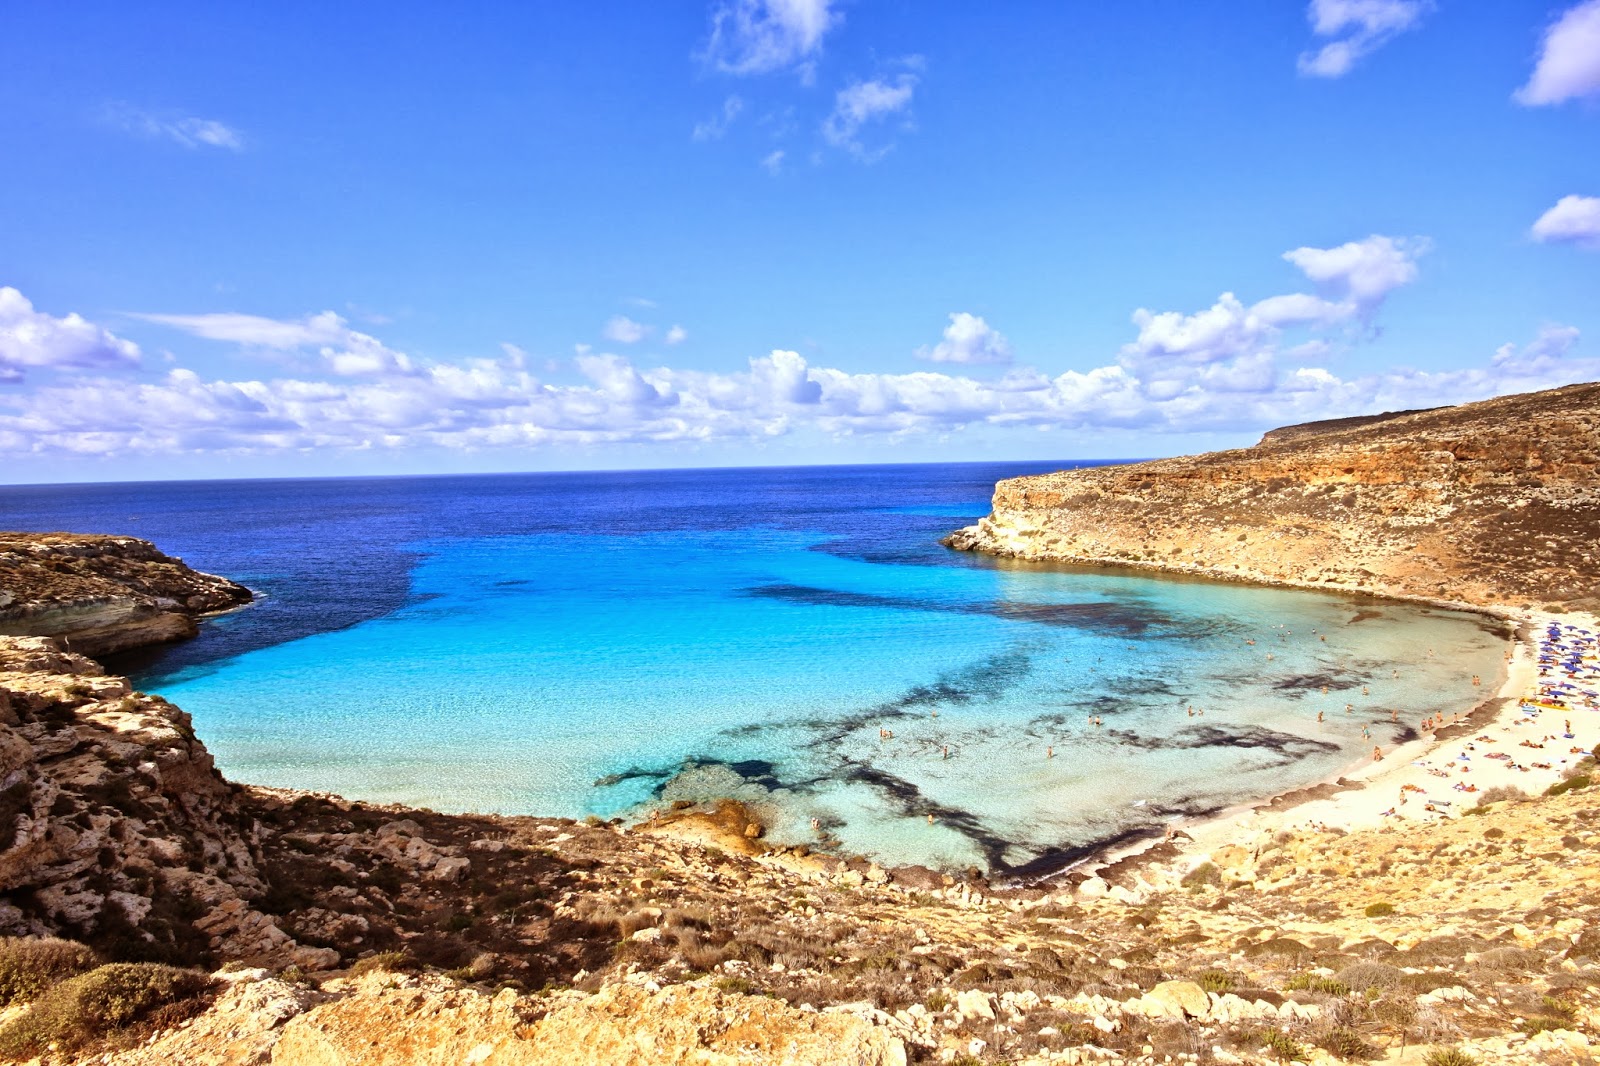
[755, 634]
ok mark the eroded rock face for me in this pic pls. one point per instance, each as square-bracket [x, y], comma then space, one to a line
[115, 827]
[1492, 502]
[103, 594]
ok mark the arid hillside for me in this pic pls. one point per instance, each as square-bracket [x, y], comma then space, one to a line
[1487, 503]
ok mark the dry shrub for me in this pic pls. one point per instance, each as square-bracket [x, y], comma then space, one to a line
[1511, 958]
[1365, 975]
[105, 1003]
[29, 966]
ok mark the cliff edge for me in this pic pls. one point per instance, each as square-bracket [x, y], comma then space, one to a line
[103, 594]
[1486, 503]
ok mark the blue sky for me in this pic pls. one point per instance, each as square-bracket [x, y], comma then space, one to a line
[289, 239]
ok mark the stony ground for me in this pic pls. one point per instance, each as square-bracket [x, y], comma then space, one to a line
[1478, 932]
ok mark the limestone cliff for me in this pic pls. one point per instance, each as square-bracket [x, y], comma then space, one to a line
[115, 827]
[103, 594]
[1485, 503]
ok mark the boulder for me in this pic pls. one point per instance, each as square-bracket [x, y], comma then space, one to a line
[1176, 999]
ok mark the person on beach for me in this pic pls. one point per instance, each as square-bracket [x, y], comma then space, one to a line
[1377, 753]
[1364, 690]
[1319, 717]
[1394, 714]
[1050, 752]
[947, 751]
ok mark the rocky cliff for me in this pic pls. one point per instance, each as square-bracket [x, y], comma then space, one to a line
[1487, 503]
[115, 827]
[103, 594]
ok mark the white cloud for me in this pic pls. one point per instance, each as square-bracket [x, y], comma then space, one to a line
[1365, 271]
[968, 339]
[761, 36]
[1539, 355]
[1569, 60]
[1361, 26]
[1222, 368]
[677, 335]
[772, 162]
[714, 127]
[344, 350]
[186, 130]
[32, 338]
[1574, 220]
[624, 330]
[862, 103]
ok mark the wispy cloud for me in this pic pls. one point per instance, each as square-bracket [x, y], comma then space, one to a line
[343, 350]
[763, 36]
[1569, 59]
[863, 104]
[772, 162]
[624, 330]
[1573, 220]
[187, 130]
[713, 128]
[1360, 27]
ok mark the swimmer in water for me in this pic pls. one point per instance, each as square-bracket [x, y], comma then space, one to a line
[1050, 752]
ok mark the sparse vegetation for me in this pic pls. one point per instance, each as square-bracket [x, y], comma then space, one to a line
[1379, 910]
[383, 962]
[105, 1003]
[30, 966]
[1450, 1056]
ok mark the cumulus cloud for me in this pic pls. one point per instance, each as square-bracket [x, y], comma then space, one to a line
[1573, 220]
[624, 330]
[344, 350]
[1227, 367]
[714, 127]
[187, 130]
[1365, 271]
[762, 36]
[865, 103]
[677, 335]
[1569, 59]
[30, 338]
[968, 339]
[1360, 27]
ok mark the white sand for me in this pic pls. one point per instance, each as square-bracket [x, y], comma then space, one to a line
[1385, 783]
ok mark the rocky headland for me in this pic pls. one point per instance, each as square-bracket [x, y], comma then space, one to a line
[1492, 503]
[103, 594]
[153, 912]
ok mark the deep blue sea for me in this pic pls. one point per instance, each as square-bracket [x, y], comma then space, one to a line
[601, 643]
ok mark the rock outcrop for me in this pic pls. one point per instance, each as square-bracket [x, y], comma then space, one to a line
[1487, 503]
[115, 827]
[103, 594]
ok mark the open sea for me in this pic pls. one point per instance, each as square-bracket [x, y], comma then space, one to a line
[601, 643]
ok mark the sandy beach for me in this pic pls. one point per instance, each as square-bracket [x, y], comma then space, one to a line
[1440, 775]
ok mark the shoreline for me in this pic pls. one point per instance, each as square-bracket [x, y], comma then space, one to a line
[1362, 796]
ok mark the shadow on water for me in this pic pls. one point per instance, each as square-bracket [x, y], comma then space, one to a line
[1121, 619]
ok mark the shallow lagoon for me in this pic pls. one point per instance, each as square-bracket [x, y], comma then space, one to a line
[602, 645]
